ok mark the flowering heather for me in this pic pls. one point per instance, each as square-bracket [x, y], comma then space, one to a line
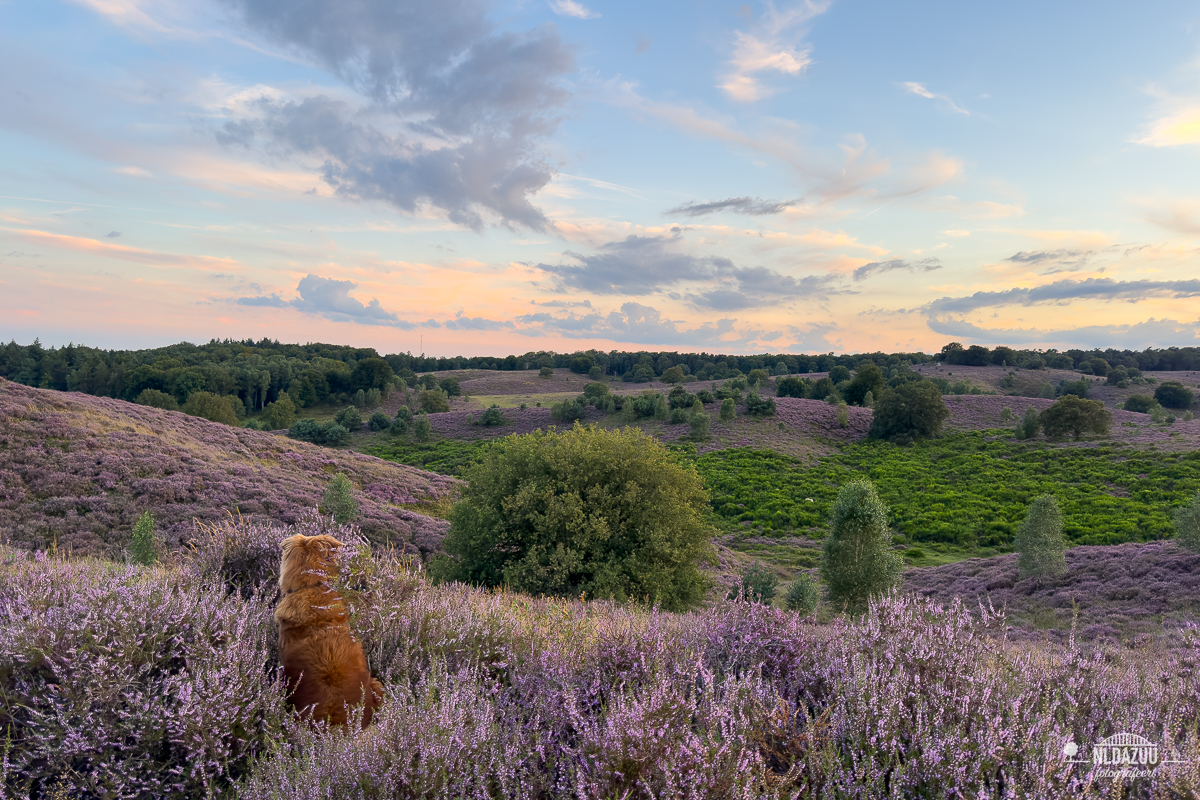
[455, 425]
[80, 470]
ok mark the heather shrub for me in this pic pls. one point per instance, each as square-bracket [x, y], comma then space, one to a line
[242, 555]
[1187, 525]
[282, 413]
[1040, 541]
[728, 408]
[607, 513]
[756, 584]
[349, 418]
[339, 499]
[379, 421]
[1075, 416]
[910, 411]
[212, 407]
[803, 595]
[144, 545]
[857, 561]
[156, 399]
[422, 430]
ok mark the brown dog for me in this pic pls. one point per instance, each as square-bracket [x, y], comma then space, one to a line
[324, 664]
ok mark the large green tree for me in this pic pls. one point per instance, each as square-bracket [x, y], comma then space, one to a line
[1040, 541]
[1071, 415]
[868, 378]
[857, 561]
[371, 373]
[608, 513]
[912, 410]
[216, 408]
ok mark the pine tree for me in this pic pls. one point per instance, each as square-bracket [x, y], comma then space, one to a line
[728, 408]
[857, 562]
[1040, 541]
[803, 595]
[339, 499]
[143, 548]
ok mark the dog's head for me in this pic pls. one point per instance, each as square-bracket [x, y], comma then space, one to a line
[307, 561]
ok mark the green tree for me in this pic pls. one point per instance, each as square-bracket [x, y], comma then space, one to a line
[359, 399]
[1028, 427]
[492, 416]
[607, 513]
[698, 423]
[803, 595]
[371, 373]
[379, 421]
[1173, 394]
[434, 401]
[1040, 540]
[792, 386]
[673, 375]
[422, 430]
[912, 410]
[760, 406]
[1187, 525]
[143, 547]
[842, 415]
[839, 373]
[213, 407]
[1075, 416]
[156, 399]
[757, 584]
[868, 379]
[546, 372]
[728, 408]
[823, 390]
[857, 562]
[451, 387]
[758, 376]
[1140, 403]
[349, 418]
[339, 499]
[596, 372]
[282, 413]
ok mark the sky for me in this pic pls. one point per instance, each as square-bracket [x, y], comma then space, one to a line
[483, 178]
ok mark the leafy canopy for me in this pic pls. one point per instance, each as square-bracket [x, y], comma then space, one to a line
[857, 562]
[606, 513]
[1040, 542]
[1075, 416]
[910, 411]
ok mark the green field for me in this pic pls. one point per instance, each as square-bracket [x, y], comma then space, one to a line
[446, 456]
[969, 490]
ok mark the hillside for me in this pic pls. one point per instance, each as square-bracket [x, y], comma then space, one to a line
[78, 470]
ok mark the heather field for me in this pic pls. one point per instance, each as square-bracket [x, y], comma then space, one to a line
[134, 682]
[78, 470]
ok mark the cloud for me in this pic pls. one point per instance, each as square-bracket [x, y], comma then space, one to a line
[330, 298]
[121, 252]
[1181, 215]
[768, 48]
[1065, 291]
[636, 324]
[458, 107]
[562, 303]
[462, 323]
[1178, 127]
[1135, 336]
[569, 8]
[920, 90]
[754, 206]
[880, 267]
[113, 234]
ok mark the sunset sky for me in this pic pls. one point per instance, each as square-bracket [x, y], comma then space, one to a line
[497, 177]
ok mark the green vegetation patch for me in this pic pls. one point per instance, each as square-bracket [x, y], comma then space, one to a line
[445, 456]
[969, 489]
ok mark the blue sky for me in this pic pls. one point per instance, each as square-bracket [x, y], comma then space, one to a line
[474, 177]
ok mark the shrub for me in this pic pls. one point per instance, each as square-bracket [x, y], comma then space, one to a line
[349, 418]
[1172, 394]
[822, 390]
[706, 397]
[594, 391]
[333, 433]
[606, 513]
[399, 425]
[699, 425]
[868, 400]
[839, 373]
[1075, 416]
[434, 401]
[803, 595]
[912, 410]
[842, 415]
[647, 404]
[546, 372]
[212, 407]
[1040, 541]
[1006, 414]
[339, 499]
[868, 379]
[143, 547]
[673, 375]
[760, 406]
[1140, 403]
[306, 430]
[857, 562]
[1118, 377]
[422, 430]
[758, 376]
[1029, 425]
[679, 397]
[379, 421]
[757, 584]
[374, 398]
[156, 399]
[596, 372]
[1187, 525]
[282, 413]
[492, 417]
[678, 416]
[569, 410]
[360, 399]
[451, 387]
[1079, 388]
[728, 408]
[792, 386]
[428, 381]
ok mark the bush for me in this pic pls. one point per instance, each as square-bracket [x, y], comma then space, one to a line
[1075, 416]
[678, 416]
[699, 425]
[282, 413]
[399, 425]
[569, 410]
[647, 404]
[857, 562]
[673, 375]
[1040, 541]
[760, 406]
[868, 379]
[823, 390]
[679, 397]
[339, 499]
[868, 400]
[359, 400]
[912, 410]
[792, 386]
[156, 399]
[374, 398]
[594, 391]
[1140, 403]
[1187, 525]
[334, 433]
[1172, 394]
[422, 430]
[379, 421]
[1079, 388]
[492, 417]
[759, 377]
[1028, 427]
[606, 513]
[757, 584]
[842, 415]
[728, 408]
[546, 372]
[434, 401]
[596, 372]
[143, 547]
[839, 373]
[349, 418]
[706, 397]
[803, 595]
[451, 387]
[212, 407]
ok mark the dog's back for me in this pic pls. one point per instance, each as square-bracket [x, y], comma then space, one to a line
[324, 664]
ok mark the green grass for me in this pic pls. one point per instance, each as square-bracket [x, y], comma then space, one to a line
[964, 490]
[445, 456]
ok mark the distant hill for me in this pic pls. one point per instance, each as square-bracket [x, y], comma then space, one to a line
[79, 470]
